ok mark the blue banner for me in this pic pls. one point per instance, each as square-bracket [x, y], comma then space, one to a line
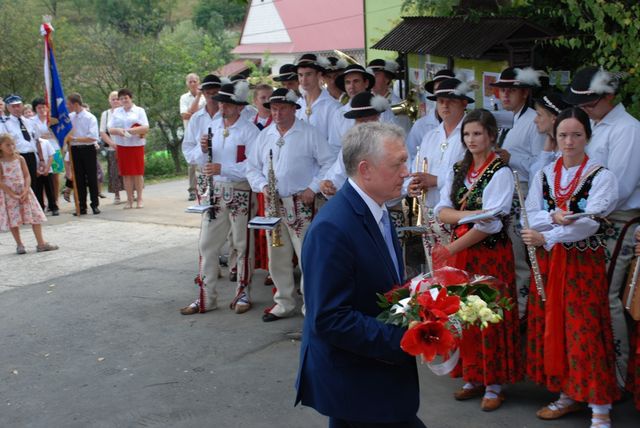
[59, 121]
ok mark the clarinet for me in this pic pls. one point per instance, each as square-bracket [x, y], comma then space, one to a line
[531, 250]
[212, 210]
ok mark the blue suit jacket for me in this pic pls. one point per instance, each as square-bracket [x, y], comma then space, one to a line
[351, 365]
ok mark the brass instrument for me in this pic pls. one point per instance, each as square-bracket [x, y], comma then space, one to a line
[410, 107]
[630, 292]
[531, 250]
[418, 201]
[274, 203]
[212, 210]
[341, 55]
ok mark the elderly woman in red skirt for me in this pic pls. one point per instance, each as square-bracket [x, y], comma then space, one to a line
[570, 344]
[481, 182]
[128, 126]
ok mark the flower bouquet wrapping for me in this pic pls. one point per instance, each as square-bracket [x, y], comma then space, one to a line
[436, 307]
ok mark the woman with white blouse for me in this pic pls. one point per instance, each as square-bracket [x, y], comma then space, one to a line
[128, 126]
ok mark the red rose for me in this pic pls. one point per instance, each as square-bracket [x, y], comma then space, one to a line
[428, 339]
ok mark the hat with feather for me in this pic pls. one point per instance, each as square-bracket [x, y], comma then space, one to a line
[367, 74]
[589, 84]
[287, 73]
[455, 89]
[367, 104]
[513, 77]
[439, 77]
[310, 60]
[335, 64]
[210, 81]
[231, 93]
[283, 96]
[390, 68]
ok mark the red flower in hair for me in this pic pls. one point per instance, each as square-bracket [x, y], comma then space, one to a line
[428, 339]
[440, 308]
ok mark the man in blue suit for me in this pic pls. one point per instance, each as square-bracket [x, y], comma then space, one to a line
[351, 366]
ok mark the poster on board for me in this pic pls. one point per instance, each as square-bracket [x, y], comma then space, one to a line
[490, 95]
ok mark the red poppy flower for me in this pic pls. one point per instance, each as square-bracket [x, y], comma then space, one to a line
[428, 339]
[440, 308]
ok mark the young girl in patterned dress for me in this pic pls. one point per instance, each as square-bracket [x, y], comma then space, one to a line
[570, 344]
[18, 203]
[481, 182]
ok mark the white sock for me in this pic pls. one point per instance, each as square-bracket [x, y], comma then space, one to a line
[600, 409]
[470, 385]
[492, 390]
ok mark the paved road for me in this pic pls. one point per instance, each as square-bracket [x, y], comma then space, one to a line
[91, 336]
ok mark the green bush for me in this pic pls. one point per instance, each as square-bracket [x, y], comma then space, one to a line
[158, 164]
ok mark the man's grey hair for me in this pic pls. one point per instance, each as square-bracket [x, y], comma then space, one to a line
[190, 75]
[366, 141]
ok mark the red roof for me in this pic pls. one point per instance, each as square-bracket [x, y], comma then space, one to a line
[314, 26]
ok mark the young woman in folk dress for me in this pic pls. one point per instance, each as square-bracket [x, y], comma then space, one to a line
[570, 343]
[633, 382]
[480, 182]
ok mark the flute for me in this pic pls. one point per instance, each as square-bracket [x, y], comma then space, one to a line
[632, 286]
[531, 250]
[212, 211]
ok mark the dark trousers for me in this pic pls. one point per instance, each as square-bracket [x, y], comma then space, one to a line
[85, 174]
[45, 183]
[339, 423]
[32, 166]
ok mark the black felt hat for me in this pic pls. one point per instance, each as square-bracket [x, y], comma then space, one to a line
[366, 104]
[283, 96]
[356, 68]
[335, 64]
[513, 77]
[390, 68]
[589, 84]
[454, 89]
[287, 73]
[439, 77]
[312, 61]
[210, 81]
[233, 93]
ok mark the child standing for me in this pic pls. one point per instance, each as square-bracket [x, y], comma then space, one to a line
[18, 203]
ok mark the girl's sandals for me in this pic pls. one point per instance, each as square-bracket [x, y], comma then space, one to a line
[20, 249]
[46, 247]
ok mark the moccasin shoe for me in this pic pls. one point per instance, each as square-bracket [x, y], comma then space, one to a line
[553, 411]
[194, 308]
[468, 393]
[491, 404]
[269, 317]
[241, 308]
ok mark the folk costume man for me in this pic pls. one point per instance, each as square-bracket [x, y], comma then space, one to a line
[233, 201]
[442, 148]
[288, 78]
[365, 107]
[351, 366]
[191, 102]
[615, 143]
[83, 150]
[299, 157]
[386, 72]
[519, 147]
[261, 94]
[430, 120]
[24, 133]
[316, 105]
[334, 69]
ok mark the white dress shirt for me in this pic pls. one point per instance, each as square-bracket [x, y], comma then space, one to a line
[299, 163]
[523, 142]
[615, 143]
[226, 149]
[85, 125]
[322, 111]
[337, 174]
[497, 195]
[125, 119]
[543, 159]
[198, 126]
[12, 126]
[48, 150]
[602, 199]
[442, 153]
[186, 100]
[418, 131]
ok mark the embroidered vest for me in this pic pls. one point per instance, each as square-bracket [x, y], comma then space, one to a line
[577, 204]
[474, 202]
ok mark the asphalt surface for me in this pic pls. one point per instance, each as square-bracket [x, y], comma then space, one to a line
[91, 336]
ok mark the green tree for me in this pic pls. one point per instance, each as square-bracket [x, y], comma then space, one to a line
[134, 17]
[215, 15]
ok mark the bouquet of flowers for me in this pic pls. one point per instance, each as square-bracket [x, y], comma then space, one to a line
[436, 307]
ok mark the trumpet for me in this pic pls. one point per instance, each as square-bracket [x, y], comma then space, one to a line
[409, 107]
[348, 58]
[274, 203]
[418, 201]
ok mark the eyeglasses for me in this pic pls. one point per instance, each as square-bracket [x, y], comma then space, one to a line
[592, 104]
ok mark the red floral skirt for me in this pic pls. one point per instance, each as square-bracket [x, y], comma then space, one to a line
[491, 355]
[579, 342]
[633, 381]
[261, 255]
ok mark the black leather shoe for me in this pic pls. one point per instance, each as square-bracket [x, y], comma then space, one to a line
[55, 212]
[233, 275]
[268, 317]
[95, 210]
[82, 212]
